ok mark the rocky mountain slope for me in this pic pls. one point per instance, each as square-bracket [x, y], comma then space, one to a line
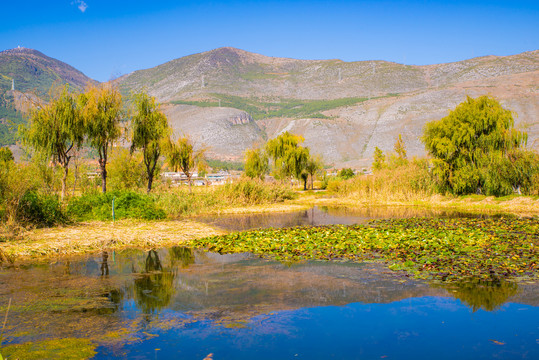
[357, 105]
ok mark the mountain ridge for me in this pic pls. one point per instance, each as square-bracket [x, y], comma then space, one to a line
[228, 99]
[391, 98]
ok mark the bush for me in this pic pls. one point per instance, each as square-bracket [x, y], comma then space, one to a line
[39, 209]
[127, 204]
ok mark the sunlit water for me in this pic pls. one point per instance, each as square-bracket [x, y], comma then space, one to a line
[182, 304]
[318, 216]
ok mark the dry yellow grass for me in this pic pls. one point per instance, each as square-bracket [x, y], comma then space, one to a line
[520, 206]
[96, 236]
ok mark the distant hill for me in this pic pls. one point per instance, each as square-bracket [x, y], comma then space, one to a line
[229, 99]
[343, 109]
[33, 73]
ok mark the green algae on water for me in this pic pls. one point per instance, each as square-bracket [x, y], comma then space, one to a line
[66, 349]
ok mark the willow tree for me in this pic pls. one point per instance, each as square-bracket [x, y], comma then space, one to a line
[56, 130]
[149, 131]
[102, 112]
[289, 158]
[256, 163]
[314, 163]
[469, 143]
[182, 156]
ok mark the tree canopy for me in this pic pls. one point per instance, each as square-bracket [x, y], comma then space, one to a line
[256, 163]
[101, 109]
[56, 130]
[471, 143]
[182, 156]
[289, 158]
[149, 131]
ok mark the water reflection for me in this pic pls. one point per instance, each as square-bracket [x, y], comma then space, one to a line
[318, 216]
[184, 294]
[486, 295]
[184, 255]
[154, 288]
[105, 264]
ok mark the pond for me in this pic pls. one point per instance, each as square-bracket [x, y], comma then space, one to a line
[318, 216]
[182, 304]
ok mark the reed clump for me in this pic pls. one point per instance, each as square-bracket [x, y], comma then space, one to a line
[408, 182]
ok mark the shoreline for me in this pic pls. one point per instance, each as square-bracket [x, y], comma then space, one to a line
[94, 236]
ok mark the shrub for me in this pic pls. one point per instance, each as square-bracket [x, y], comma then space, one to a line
[39, 209]
[127, 204]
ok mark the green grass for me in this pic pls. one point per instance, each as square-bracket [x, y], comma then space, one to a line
[217, 165]
[289, 108]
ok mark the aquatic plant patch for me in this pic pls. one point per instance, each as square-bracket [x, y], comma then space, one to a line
[445, 249]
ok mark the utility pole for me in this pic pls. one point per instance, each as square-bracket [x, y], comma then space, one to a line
[12, 84]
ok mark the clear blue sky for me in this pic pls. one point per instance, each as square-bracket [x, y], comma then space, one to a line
[103, 38]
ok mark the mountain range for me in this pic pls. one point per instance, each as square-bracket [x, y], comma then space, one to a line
[229, 99]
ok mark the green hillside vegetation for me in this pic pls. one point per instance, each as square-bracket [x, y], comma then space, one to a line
[288, 108]
[217, 165]
[28, 77]
[10, 119]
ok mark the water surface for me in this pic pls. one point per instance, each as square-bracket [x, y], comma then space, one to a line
[182, 304]
[320, 215]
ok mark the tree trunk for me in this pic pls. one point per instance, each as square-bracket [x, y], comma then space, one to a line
[103, 167]
[75, 174]
[305, 184]
[64, 181]
[150, 181]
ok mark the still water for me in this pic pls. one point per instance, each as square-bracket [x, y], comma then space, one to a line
[178, 303]
[318, 216]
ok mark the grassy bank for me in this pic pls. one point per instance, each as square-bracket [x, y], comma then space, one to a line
[88, 237]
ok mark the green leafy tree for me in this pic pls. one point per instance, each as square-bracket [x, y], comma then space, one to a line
[126, 170]
[379, 159]
[102, 111]
[346, 173]
[6, 155]
[289, 158]
[256, 163]
[56, 130]
[182, 156]
[469, 143]
[314, 163]
[150, 129]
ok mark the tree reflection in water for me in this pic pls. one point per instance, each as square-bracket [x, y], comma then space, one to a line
[184, 255]
[480, 294]
[105, 264]
[154, 287]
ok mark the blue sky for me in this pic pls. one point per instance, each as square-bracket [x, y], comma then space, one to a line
[106, 38]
